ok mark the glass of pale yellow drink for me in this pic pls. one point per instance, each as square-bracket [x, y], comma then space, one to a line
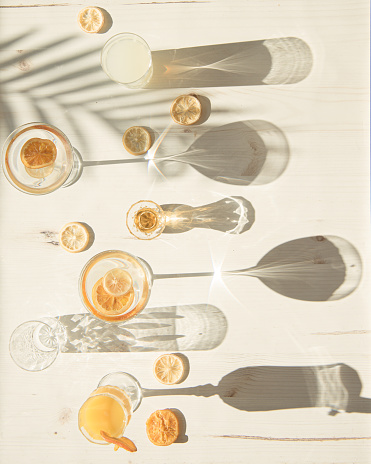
[127, 59]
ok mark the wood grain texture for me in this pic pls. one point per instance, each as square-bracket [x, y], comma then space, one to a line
[301, 79]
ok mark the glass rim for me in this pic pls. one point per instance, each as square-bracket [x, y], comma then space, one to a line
[160, 210]
[116, 37]
[85, 300]
[8, 172]
[38, 321]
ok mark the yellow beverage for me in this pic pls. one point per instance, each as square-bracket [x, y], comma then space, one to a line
[108, 409]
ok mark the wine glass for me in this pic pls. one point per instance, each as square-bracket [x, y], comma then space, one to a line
[66, 167]
[105, 306]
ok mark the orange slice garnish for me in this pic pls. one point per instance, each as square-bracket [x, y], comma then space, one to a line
[38, 153]
[91, 19]
[109, 304]
[186, 110]
[137, 140]
[162, 427]
[168, 369]
[122, 442]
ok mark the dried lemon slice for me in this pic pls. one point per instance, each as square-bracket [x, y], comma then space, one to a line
[38, 153]
[117, 282]
[162, 427]
[74, 237]
[40, 173]
[137, 140]
[91, 19]
[168, 369]
[109, 304]
[186, 110]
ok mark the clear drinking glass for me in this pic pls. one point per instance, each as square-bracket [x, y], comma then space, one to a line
[146, 220]
[109, 407]
[44, 180]
[97, 301]
[34, 345]
[126, 58]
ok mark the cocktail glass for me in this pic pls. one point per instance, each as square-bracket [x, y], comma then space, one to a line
[109, 407]
[34, 345]
[146, 220]
[126, 58]
[66, 167]
[97, 267]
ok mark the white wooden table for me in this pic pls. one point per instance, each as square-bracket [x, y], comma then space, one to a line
[50, 71]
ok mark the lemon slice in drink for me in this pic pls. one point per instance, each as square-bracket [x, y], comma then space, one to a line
[186, 110]
[117, 282]
[40, 173]
[168, 369]
[91, 19]
[74, 237]
[38, 153]
[162, 427]
[137, 140]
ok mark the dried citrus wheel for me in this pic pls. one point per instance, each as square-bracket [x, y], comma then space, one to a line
[109, 304]
[162, 427]
[137, 140]
[74, 237]
[91, 19]
[40, 173]
[168, 369]
[186, 110]
[38, 153]
[117, 282]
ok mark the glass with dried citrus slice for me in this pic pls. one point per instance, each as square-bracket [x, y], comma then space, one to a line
[115, 286]
[127, 59]
[105, 415]
[38, 158]
[145, 220]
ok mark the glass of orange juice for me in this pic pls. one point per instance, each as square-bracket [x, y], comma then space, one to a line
[109, 407]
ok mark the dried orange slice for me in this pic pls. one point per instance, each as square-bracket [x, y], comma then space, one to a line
[74, 237]
[91, 19]
[40, 173]
[168, 369]
[117, 282]
[38, 153]
[121, 442]
[108, 304]
[162, 427]
[137, 140]
[186, 110]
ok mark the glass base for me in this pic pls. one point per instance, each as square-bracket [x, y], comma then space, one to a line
[127, 383]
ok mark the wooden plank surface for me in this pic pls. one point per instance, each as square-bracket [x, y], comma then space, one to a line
[300, 68]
